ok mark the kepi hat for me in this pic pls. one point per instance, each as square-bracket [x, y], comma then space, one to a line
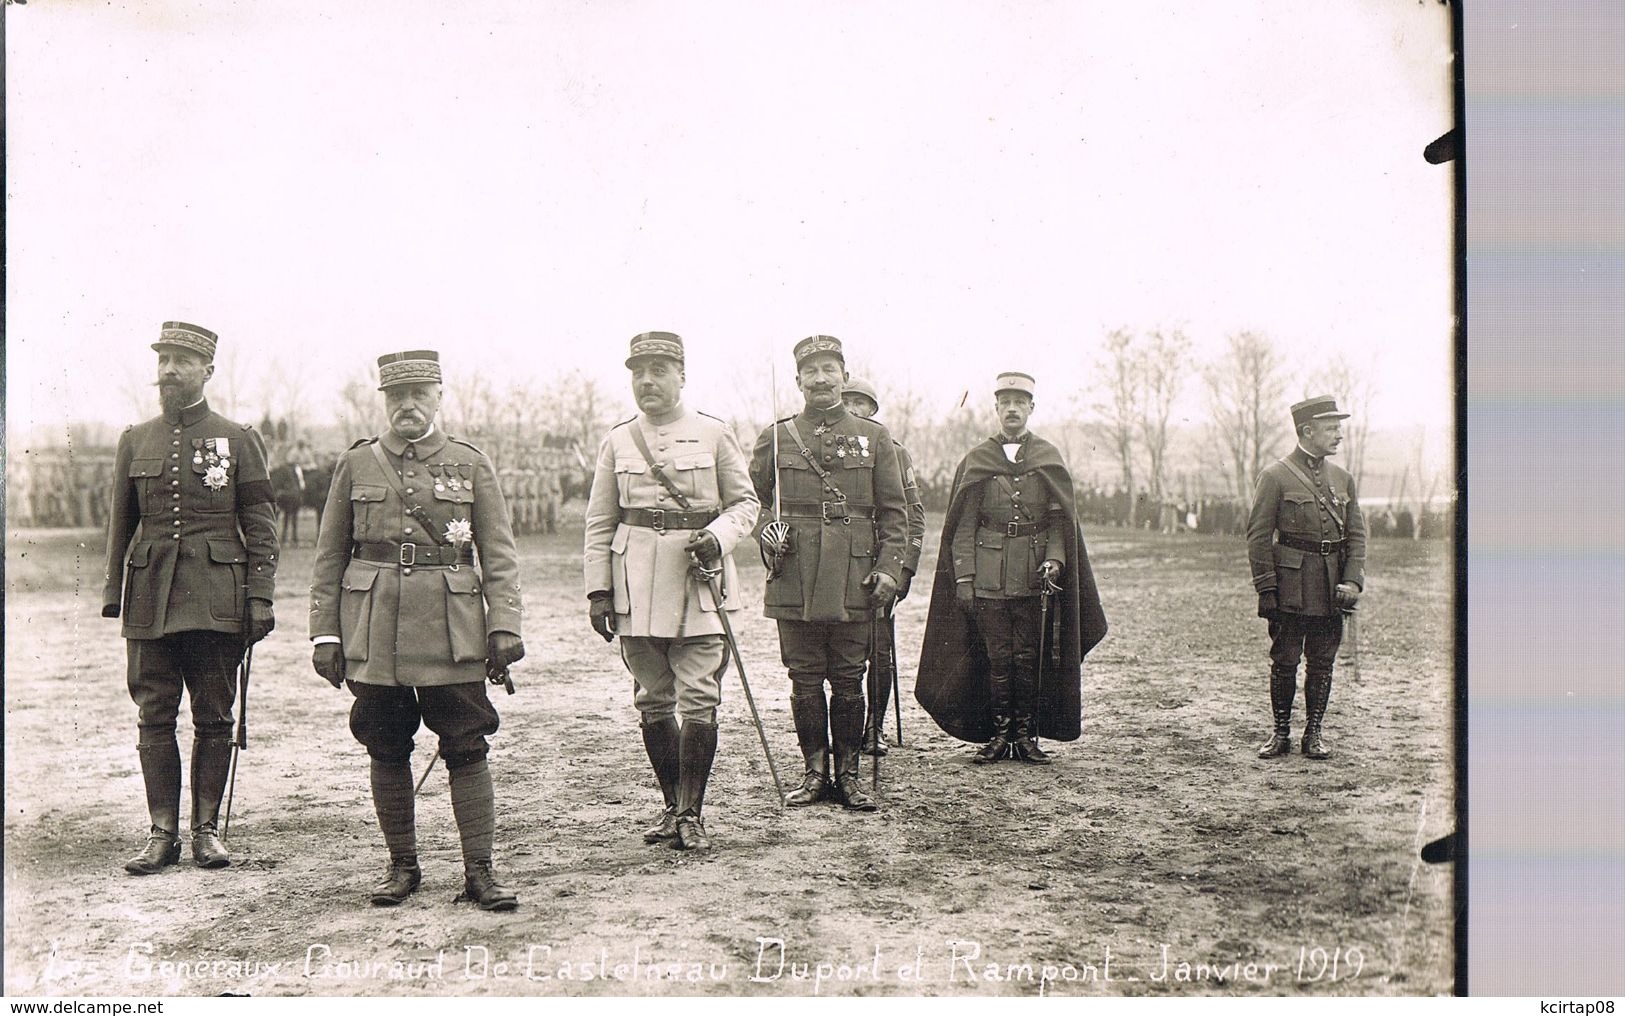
[667, 344]
[186, 336]
[813, 345]
[1321, 407]
[1014, 381]
[411, 367]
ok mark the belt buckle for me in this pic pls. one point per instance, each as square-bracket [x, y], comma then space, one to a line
[1325, 547]
[658, 523]
[1010, 528]
[408, 555]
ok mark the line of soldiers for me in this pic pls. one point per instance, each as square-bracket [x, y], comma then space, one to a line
[416, 603]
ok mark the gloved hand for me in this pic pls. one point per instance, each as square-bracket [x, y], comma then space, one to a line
[1049, 575]
[602, 611]
[502, 650]
[260, 621]
[882, 588]
[1347, 594]
[328, 659]
[965, 593]
[908, 580]
[1268, 605]
[110, 610]
[703, 544]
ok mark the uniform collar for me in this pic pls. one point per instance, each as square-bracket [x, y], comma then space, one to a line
[1026, 436]
[671, 416]
[824, 417]
[1303, 457]
[190, 415]
[425, 446]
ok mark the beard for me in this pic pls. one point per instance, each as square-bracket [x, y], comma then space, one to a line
[173, 398]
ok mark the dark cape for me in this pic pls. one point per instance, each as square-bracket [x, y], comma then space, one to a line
[952, 683]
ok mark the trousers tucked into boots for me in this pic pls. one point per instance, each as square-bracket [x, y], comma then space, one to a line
[697, 750]
[211, 764]
[846, 712]
[1283, 683]
[473, 803]
[660, 741]
[393, 801]
[811, 714]
[999, 690]
[161, 772]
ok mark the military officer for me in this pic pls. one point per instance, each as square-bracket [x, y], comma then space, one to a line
[1011, 536]
[861, 401]
[669, 483]
[1306, 546]
[839, 491]
[400, 612]
[191, 568]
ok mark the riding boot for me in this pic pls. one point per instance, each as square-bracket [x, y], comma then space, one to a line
[698, 749]
[1283, 683]
[473, 804]
[1317, 691]
[846, 729]
[660, 740]
[161, 772]
[999, 746]
[211, 763]
[1023, 727]
[811, 714]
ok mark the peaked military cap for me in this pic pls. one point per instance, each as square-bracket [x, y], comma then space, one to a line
[812, 345]
[1014, 381]
[1321, 407]
[410, 367]
[862, 387]
[667, 344]
[185, 336]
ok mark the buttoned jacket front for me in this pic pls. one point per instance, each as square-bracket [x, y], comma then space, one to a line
[1000, 545]
[1322, 514]
[406, 623]
[647, 568]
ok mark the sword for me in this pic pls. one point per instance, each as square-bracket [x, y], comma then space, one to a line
[240, 741]
[1043, 650]
[425, 777]
[712, 577]
[873, 680]
[775, 536]
[896, 678]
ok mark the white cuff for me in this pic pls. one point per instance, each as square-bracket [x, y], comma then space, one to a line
[319, 640]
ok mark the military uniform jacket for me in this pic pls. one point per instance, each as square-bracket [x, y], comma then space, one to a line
[1014, 526]
[1303, 581]
[647, 569]
[191, 532]
[422, 625]
[832, 549]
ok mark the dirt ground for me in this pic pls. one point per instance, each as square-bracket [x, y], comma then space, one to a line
[1156, 856]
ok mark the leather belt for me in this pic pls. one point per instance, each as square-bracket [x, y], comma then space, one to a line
[828, 511]
[413, 555]
[662, 519]
[1014, 528]
[1325, 548]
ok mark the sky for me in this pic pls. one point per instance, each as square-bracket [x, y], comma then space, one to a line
[953, 189]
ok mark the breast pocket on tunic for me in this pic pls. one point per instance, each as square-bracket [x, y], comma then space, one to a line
[148, 477]
[696, 475]
[1298, 513]
[355, 609]
[367, 509]
[628, 473]
[465, 615]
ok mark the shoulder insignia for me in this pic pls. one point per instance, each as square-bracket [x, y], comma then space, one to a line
[785, 419]
[465, 444]
[129, 428]
[363, 441]
[248, 426]
[623, 423]
[719, 419]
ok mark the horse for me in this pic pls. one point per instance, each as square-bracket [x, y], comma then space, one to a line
[298, 487]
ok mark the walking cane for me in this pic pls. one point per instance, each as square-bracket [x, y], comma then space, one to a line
[240, 741]
[713, 580]
[896, 676]
[873, 680]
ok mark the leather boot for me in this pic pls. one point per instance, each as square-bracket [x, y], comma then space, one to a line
[400, 881]
[660, 740]
[1024, 742]
[811, 715]
[211, 762]
[999, 699]
[1317, 691]
[161, 772]
[1282, 686]
[698, 750]
[846, 726]
[874, 725]
[480, 886]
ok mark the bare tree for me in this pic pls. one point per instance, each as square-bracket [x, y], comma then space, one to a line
[1160, 366]
[1118, 385]
[1353, 389]
[359, 406]
[1246, 387]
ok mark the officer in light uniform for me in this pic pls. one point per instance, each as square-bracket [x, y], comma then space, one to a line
[669, 484]
[402, 613]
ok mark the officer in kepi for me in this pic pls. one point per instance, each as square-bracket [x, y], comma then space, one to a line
[415, 604]
[1014, 608]
[191, 567]
[1306, 547]
[835, 539]
[861, 401]
[670, 492]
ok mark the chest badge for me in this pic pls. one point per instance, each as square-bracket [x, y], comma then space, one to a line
[214, 454]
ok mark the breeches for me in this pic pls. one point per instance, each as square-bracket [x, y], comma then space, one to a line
[1294, 636]
[204, 661]
[1009, 630]
[818, 651]
[384, 718]
[677, 675]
